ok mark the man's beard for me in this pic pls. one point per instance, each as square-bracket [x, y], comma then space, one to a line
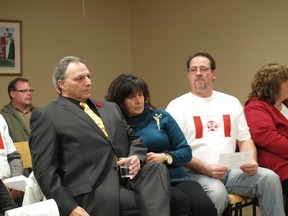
[199, 84]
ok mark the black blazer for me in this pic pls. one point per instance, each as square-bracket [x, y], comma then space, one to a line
[72, 157]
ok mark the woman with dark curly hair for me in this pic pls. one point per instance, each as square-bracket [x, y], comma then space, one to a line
[267, 116]
[165, 142]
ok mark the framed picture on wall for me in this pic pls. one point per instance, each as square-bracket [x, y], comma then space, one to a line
[10, 48]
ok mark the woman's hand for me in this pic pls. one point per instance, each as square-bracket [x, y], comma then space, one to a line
[155, 157]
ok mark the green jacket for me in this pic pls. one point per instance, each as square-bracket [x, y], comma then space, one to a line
[17, 128]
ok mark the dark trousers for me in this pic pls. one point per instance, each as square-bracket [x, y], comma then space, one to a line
[179, 203]
[284, 184]
[189, 198]
[149, 194]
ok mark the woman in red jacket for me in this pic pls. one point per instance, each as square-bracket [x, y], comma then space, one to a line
[267, 116]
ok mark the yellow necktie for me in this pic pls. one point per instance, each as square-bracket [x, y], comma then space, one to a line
[94, 116]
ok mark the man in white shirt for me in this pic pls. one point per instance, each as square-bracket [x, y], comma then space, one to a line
[213, 123]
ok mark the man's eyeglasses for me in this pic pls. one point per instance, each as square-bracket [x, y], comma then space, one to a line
[24, 90]
[201, 69]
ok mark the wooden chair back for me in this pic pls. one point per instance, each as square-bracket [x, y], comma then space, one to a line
[24, 150]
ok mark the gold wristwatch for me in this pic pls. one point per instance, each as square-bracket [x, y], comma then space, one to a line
[168, 159]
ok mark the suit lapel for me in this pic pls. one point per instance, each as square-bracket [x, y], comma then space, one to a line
[105, 118]
[76, 110]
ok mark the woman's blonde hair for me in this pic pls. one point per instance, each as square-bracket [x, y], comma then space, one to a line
[266, 82]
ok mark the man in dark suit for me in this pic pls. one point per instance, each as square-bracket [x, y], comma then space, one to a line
[76, 164]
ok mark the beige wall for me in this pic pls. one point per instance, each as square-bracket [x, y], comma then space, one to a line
[241, 35]
[55, 28]
[150, 38]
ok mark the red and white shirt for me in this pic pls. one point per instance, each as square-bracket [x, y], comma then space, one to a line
[211, 125]
[6, 147]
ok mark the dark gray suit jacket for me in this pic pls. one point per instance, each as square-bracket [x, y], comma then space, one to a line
[74, 162]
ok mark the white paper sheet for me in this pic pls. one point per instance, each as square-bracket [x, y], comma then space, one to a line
[17, 182]
[235, 160]
[44, 208]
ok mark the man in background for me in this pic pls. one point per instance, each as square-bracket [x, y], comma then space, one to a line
[213, 123]
[18, 112]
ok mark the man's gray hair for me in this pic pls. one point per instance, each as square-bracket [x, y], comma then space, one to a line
[61, 67]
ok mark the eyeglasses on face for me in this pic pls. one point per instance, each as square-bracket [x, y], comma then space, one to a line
[24, 90]
[201, 69]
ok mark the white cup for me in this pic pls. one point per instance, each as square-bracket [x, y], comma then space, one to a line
[124, 167]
